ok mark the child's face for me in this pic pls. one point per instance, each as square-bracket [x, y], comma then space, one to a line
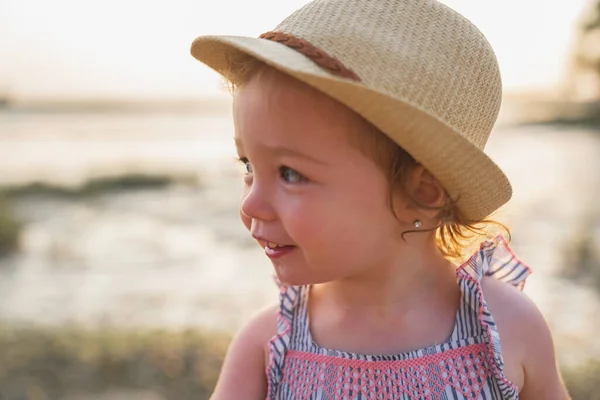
[308, 187]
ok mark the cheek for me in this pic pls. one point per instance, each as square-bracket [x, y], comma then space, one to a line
[301, 217]
[339, 221]
[361, 219]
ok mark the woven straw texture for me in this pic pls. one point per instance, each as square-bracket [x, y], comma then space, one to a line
[428, 79]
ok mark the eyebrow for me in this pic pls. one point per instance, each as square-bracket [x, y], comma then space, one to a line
[284, 151]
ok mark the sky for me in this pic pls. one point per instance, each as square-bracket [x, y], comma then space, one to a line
[140, 49]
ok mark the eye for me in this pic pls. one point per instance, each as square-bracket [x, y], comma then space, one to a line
[291, 176]
[246, 163]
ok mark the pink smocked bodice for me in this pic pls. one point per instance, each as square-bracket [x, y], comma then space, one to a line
[468, 366]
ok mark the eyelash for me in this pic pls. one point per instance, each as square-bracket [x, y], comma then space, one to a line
[282, 169]
[245, 162]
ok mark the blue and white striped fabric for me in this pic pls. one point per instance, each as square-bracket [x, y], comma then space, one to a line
[468, 366]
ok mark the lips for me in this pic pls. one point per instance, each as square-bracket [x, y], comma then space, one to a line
[278, 251]
[274, 249]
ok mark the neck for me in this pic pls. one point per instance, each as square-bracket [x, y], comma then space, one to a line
[396, 283]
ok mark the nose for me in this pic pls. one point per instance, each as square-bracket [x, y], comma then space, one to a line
[256, 204]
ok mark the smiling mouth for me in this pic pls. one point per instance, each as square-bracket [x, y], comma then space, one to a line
[272, 245]
[269, 245]
[275, 250]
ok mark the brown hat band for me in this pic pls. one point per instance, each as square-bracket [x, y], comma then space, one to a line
[317, 55]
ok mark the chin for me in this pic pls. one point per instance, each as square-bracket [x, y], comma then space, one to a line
[289, 277]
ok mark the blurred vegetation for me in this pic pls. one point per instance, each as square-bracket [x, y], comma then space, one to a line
[97, 186]
[73, 363]
[579, 104]
[570, 114]
[50, 365]
[582, 259]
[10, 227]
[593, 22]
[589, 57]
[583, 381]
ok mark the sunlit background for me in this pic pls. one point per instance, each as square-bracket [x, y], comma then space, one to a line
[123, 267]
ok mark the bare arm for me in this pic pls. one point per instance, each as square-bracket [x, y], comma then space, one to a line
[542, 378]
[244, 371]
[527, 345]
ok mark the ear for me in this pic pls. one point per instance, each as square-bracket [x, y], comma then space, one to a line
[422, 186]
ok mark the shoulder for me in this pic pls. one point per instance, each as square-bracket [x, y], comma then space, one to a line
[244, 369]
[263, 325]
[527, 345]
[510, 306]
[518, 320]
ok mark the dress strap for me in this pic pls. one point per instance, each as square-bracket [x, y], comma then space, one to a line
[494, 259]
[289, 297]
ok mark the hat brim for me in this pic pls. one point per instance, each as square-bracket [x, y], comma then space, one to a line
[466, 172]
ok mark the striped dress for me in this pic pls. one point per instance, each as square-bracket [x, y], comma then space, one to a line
[468, 366]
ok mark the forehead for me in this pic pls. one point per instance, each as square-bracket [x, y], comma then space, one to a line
[274, 109]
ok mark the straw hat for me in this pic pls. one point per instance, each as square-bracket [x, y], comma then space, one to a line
[416, 69]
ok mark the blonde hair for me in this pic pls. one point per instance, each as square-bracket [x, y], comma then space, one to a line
[456, 235]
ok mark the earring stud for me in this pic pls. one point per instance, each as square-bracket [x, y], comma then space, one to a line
[417, 224]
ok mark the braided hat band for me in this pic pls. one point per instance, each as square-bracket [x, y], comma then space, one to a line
[417, 70]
